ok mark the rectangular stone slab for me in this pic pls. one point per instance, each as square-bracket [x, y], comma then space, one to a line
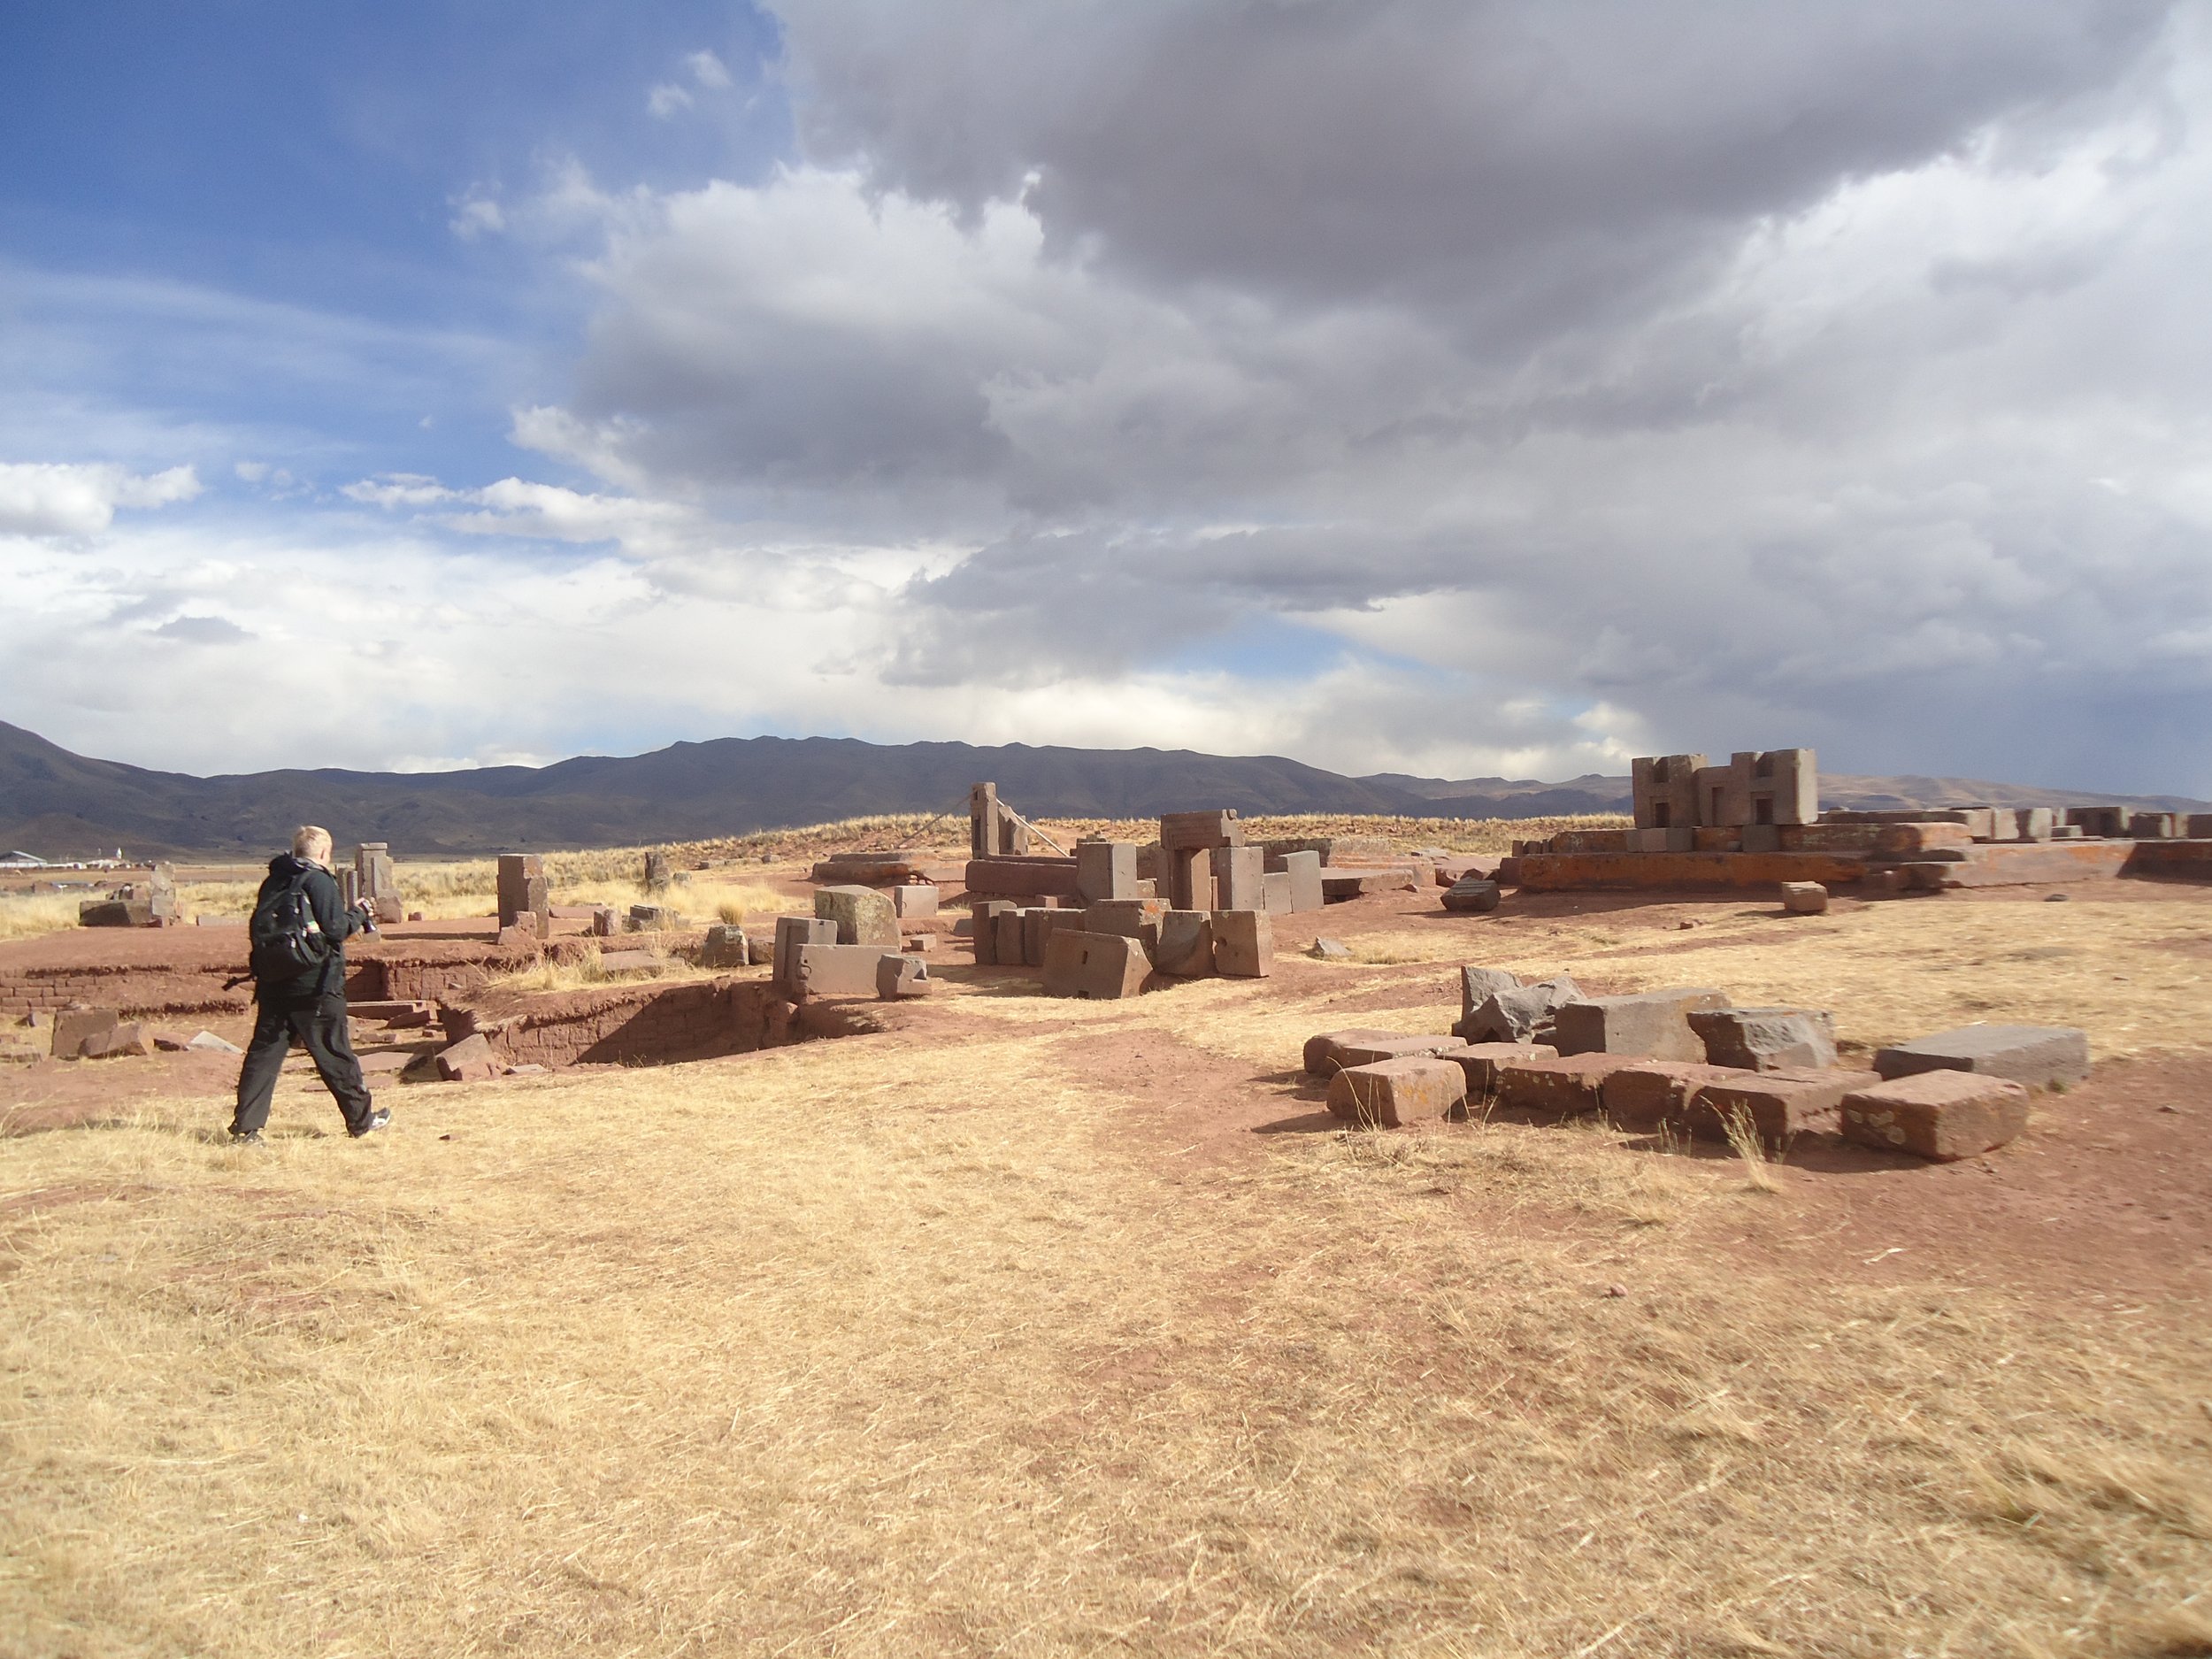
[1642, 1096]
[2035, 1055]
[837, 971]
[1653, 1024]
[1480, 1061]
[1100, 967]
[1325, 1050]
[1943, 1114]
[864, 916]
[1562, 1087]
[1766, 1039]
[1244, 943]
[1395, 1093]
[1781, 1105]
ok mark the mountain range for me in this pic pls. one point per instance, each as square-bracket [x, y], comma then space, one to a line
[61, 806]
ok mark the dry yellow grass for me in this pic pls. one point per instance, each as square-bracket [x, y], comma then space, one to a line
[889, 1347]
[29, 914]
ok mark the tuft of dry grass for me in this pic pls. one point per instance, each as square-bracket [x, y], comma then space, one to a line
[1745, 1141]
[29, 915]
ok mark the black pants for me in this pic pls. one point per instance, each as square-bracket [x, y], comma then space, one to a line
[319, 1025]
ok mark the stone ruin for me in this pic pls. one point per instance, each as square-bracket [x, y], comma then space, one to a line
[1757, 822]
[1685, 1062]
[149, 904]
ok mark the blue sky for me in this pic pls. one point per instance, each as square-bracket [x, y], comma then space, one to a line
[1398, 386]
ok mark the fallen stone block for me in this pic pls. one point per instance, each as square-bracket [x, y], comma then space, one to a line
[1186, 950]
[1132, 919]
[1779, 1105]
[1324, 1053]
[652, 919]
[1038, 927]
[1012, 931]
[1943, 1114]
[1804, 898]
[208, 1042]
[1652, 1025]
[2036, 1055]
[604, 922]
[521, 935]
[983, 916]
[1766, 1039]
[1105, 870]
[1395, 1093]
[1338, 886]
[792, 935]
[1244, 942]
[74, 1027]
[628, 962]
[115, 913]
[1471, 897]
[1277, 896]
[469, 1060]
[1477, 985]
[1301, 870]
[836, 971]
[725, 946]
[387, 1061]
[1393, 1046]
[912, 900]
[1479, 1061]
[128, 1038]
[864, 916]
[901, 976]
[1524, 1014]
[1565, 1087]
[1100, 967]
[1646, 1093]
[1329, 950]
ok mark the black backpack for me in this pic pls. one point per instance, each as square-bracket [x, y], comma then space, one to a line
[287, 942]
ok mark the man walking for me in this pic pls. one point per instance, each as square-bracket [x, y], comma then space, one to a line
[299, 929]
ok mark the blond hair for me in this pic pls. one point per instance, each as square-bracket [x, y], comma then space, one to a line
[311, 841]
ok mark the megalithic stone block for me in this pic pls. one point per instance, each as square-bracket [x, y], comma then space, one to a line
[1939, 1115]
[1186, 950]
[1653, 1024]
[864, 916]
[1277, 894]
[1132, 919]
[1242, 871]
[1397, 1093]
[793, 933]
[898, 977]
[1766, 1039]
[2037, 1055]
[986, 913]
[1191, 879]
[1105, 870]
[1477, 986]
[1103, 966]
[1013, 938]
[837, 971]
[1244, 944]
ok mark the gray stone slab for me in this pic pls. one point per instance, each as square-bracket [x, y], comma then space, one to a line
[2036, 1055]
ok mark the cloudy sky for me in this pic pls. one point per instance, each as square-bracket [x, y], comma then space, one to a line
[1420, 385]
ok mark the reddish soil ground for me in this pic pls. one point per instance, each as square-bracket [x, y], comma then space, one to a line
[2107, 1201]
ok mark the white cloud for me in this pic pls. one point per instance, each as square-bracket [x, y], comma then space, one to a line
[708, 71]
[47, 498]
[476, 215]
[665, 99]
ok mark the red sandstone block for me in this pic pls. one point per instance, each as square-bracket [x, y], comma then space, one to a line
[1939, 1115]
[1103, 966]
[1395, 1046]
[74, 1027]
[1324, 1055]
[127, 1039]
[1244, 943]
[1480, 1061]
[1563, 1087]
[468, 1061]
[1781, 1105]
[1643, 1096]
[1393, 1094]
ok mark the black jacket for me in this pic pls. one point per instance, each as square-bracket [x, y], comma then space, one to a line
[331, 915]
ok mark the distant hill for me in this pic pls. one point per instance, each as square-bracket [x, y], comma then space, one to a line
[62, 805]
